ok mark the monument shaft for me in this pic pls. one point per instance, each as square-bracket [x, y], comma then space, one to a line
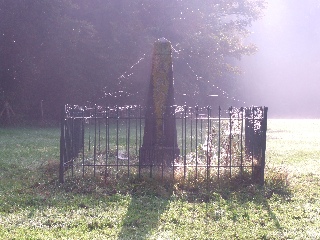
[160, 135]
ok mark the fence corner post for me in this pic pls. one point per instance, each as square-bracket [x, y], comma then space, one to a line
[264, 143]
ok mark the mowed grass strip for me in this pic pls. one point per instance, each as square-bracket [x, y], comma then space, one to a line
[33, 205]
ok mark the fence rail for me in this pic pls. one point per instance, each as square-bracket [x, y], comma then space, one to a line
[107, 142]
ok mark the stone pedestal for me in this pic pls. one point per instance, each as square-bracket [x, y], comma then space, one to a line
[160, 134]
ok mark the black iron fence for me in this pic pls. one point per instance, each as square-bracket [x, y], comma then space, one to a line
[107, 142]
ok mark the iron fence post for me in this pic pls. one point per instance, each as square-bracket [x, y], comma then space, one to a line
[264, 143]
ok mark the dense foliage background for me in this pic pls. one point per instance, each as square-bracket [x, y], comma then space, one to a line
[99, 51]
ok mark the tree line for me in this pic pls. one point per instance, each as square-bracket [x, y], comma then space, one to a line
[54, 52]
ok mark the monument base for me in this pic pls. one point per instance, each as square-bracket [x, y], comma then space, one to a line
[158, 156]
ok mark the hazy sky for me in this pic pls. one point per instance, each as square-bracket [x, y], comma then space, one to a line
[285, 74]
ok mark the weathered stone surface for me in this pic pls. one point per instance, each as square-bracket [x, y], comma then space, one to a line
[160, 135]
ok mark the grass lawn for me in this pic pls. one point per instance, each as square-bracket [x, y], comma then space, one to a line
[33, 205]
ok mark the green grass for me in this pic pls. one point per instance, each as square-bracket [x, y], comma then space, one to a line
[33, 205]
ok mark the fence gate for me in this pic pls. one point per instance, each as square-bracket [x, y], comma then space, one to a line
[103, 141]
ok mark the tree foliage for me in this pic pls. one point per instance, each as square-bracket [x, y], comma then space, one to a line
[68, 51]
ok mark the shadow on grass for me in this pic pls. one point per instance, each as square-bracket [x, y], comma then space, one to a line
[149, 200]
[144, 212]
[142, 217]
[272, 215]
[276, 188]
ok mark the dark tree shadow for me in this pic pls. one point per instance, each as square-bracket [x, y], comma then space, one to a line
[272, 215]
[143, 215]
[260, 196]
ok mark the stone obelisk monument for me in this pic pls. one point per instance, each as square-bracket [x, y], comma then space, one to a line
[160, 135]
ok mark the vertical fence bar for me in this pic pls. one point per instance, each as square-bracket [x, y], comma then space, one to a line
[72, 140]
[182, 152]
[208, 142]
[173, 143]
[161, 152]
[219, 143]
[107, 136]
[241, 142]
[125, 119]
[207, 151]
[252, 140]
[67, 147]
[140, 136]
[89, 130]
[230, 140]
[191, 129]
[197, 115]
[151, 158]
[185, 143]
[201, 129]
[128, 145]
[95, 141]
[136, 121]
[62, 146]
[99, 135]
[83, 134]
[117, 139]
